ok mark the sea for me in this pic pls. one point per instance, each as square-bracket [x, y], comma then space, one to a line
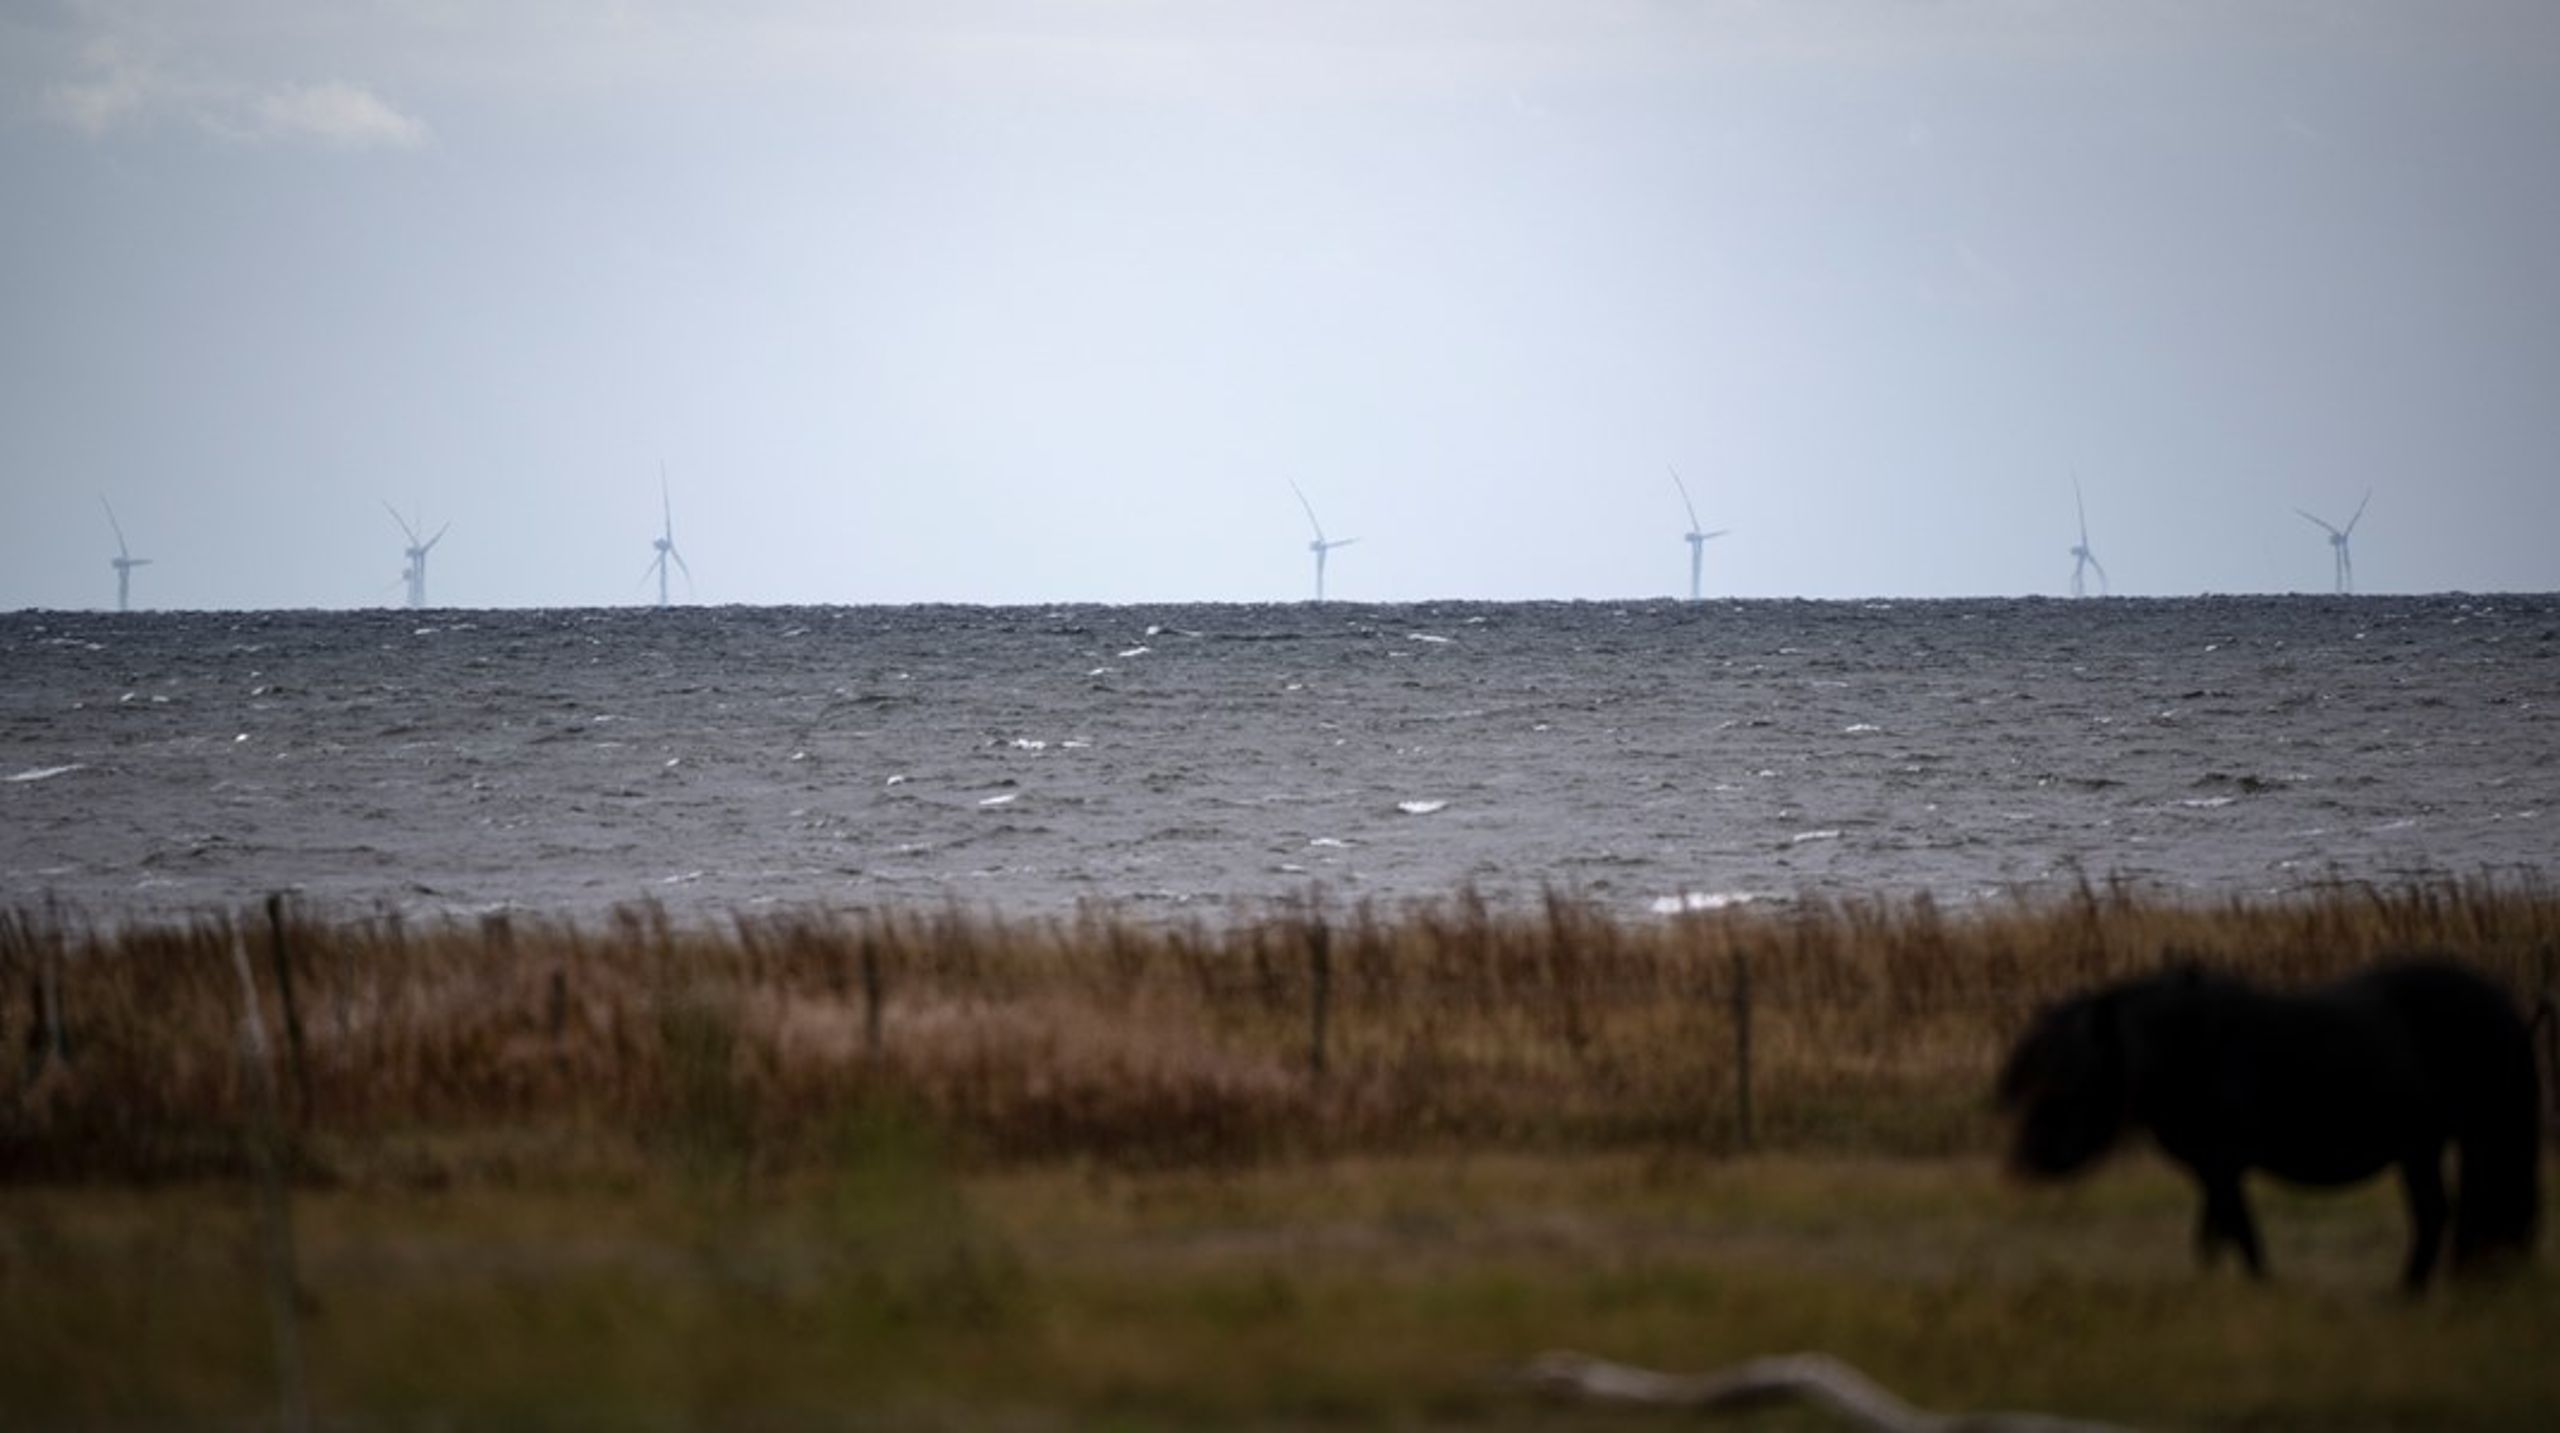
[1204, 761]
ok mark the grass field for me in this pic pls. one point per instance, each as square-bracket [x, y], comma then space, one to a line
[1307, 1167]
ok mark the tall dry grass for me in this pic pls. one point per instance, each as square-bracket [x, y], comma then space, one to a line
[1874, 1026]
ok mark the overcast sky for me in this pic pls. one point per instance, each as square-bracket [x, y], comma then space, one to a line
[1014, 302]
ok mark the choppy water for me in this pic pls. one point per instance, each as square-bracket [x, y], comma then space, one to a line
[1024, 758]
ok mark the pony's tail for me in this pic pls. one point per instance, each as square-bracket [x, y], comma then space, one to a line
[2498, 1210]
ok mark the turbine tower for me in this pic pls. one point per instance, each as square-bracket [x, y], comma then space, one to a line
[665, 543]
[2346, 562]
[1697, 540]
[415, 574]
[2082, 559]
[1322, 544]
[124, 562]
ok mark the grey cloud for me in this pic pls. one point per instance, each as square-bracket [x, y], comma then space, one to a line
[334, 113]
[115, 69]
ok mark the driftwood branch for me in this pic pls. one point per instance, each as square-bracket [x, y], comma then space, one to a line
[1813, 1378]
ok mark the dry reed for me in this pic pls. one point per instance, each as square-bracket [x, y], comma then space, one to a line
[748, 1044]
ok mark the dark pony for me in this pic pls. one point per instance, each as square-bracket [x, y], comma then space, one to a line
[2329, 1086]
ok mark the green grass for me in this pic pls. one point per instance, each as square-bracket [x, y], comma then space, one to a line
[1364, 1292]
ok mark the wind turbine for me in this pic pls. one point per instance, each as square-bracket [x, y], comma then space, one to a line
[415, 574]
[1322, 544]
[2345, 560]
[2082, 559]
[665, 543]
[124, 562]
[1697, 539]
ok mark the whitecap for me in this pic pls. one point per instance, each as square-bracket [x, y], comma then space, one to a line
[1700, 901]
[1420, 808]
[1135, 652]
[1330, 842]
[45, 773]
[1001, 798]
[1826, 834]
[1029, 743]
[2207, 803]
[1425, 637]
[1861, 726]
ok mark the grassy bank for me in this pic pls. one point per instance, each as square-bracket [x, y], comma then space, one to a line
[1312, 1166]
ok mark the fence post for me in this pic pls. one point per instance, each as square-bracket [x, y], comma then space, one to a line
[282, 958]
[57, 1037]
[1742, 1044]
[1320, 981]
[275, 1214]
[871, 997]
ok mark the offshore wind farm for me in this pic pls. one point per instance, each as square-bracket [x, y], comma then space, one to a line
[667, 561]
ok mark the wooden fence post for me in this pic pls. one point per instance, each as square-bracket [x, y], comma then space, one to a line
[57, 1035]
[1320, 981]
[275, 1214]
[1742, 1044]
[282, 958]
[871, 997]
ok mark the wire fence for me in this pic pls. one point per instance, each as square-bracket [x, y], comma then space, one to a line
[1312, 1027]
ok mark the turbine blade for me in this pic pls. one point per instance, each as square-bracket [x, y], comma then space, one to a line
[407, 531]
[680, 564]
[2102, 570]
[2360, 507]
[1719, 532]
[666, 504]
[1310, 507]
[439, 537]
[1342, 542]
[2081, 503]
[2309, 518]
[1684, 497]
[111, 522]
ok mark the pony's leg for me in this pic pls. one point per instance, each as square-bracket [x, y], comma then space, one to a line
[2226, 1219]
[2208, 1232]
[2422, 1176]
